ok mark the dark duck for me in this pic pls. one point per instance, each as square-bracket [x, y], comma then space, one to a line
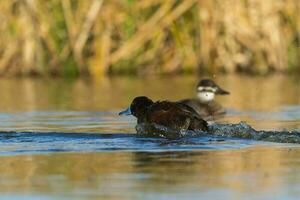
[204, 104]
[173, 116]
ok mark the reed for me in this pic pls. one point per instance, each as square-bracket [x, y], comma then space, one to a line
[100, 37]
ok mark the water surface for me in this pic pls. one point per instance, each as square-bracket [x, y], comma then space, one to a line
[64, 140]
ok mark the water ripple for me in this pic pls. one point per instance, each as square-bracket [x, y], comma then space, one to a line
[52, 132]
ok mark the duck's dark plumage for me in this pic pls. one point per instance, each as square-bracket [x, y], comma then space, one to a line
[206, 110]
[174, 115]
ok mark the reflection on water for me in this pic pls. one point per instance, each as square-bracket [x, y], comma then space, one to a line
[64, 140]
[250, 98]
[252, 173]
[45, 121]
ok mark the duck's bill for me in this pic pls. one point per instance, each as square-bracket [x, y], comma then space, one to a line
[221, 91]
[125, 112]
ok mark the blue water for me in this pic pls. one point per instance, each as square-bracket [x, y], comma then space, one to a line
[33, 142]
[46, 132]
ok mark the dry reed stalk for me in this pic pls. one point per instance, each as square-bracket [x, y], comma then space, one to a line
[6, 58]
[144, 32]
[85, 32]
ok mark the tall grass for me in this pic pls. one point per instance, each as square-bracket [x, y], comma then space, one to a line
[99, 37]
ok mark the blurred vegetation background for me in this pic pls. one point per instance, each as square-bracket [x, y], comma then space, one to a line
[101, 37]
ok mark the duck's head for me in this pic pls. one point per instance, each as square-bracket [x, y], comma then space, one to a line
[207, 89]
[138, 107]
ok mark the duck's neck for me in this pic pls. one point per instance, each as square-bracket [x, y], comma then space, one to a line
[140, 113]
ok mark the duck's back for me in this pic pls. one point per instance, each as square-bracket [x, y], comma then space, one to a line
[175, 115]
[205, 110]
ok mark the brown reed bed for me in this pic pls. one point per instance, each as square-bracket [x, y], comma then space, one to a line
[100, 37]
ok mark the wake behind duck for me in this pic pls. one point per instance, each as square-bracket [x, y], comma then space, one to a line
[241, 130]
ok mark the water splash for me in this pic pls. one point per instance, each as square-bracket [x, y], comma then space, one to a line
[241, 130]
[244, 130]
